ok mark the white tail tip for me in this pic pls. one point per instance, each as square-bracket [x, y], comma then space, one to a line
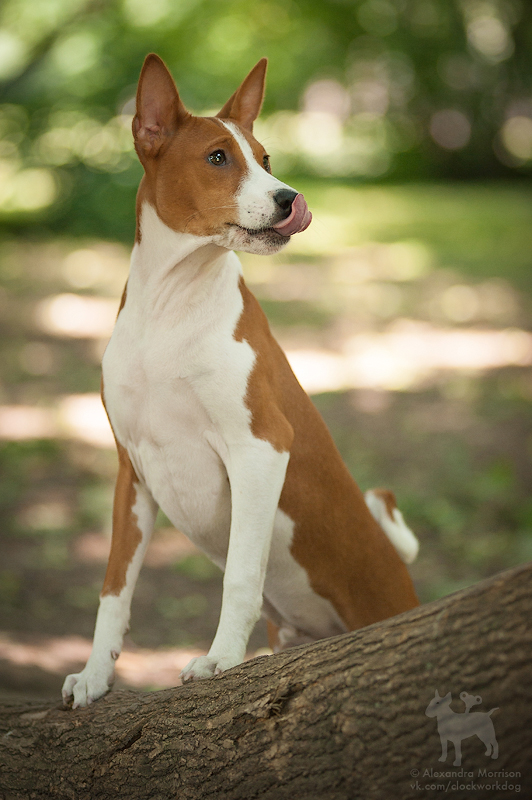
[391, 521]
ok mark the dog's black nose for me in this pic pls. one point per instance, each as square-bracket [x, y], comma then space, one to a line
[284, 199]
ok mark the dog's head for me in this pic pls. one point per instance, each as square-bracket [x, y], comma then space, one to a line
[209, 176]
[438, 702]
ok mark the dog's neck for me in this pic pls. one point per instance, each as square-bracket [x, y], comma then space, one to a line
[170, 268]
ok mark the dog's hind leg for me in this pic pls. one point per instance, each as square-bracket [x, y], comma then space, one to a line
[273, 636]
[134, 514]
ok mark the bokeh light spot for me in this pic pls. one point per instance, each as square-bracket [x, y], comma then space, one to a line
[517, 137]
[450, 129]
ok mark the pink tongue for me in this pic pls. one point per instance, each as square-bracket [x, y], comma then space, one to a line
[299, 219]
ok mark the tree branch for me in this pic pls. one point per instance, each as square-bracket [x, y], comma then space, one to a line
[343, 718]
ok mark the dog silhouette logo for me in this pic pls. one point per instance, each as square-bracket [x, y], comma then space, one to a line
[455, 727]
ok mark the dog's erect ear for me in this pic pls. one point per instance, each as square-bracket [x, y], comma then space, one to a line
[159, 108]
[244, 106]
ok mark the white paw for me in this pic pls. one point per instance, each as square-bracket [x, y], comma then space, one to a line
[207, 666]
[86, 687]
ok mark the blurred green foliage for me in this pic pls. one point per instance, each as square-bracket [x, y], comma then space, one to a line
[182, 608]
[388, 89]
[197, 567]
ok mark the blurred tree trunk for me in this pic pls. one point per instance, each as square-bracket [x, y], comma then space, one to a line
[342, 718]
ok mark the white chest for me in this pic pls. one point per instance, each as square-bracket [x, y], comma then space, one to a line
[171, 371]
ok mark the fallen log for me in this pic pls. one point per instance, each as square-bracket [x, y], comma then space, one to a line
[340, 719]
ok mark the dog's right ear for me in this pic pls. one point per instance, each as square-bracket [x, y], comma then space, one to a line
[244, 105]
[159, 108]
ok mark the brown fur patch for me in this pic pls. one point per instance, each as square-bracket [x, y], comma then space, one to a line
[122, 300]
[273, 636]
[347, 556]
[126, 533]
[264, 394]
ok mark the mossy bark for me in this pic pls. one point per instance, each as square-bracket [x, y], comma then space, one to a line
[340, 719]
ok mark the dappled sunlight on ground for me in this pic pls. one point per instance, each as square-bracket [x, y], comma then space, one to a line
[51, 654]
[72, 315]
[407, 355]
[137, 667]
[78, 416]
[166, 547]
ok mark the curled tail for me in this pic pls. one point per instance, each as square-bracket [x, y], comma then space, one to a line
[383, 506]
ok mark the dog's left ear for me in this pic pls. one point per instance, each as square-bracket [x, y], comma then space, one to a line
[244, 106]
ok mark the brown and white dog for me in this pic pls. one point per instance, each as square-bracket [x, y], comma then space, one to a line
[210, 423]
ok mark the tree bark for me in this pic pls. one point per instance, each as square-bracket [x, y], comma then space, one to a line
[340, 719]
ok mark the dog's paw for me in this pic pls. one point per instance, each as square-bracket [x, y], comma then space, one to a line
[206, 666]
[85, 687]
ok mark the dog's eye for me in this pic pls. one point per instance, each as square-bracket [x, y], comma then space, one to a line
[266, 163]
[217, 158]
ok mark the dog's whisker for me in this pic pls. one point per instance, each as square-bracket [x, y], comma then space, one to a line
[204, 210]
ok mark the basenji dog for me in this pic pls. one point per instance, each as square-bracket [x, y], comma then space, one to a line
[210, 423]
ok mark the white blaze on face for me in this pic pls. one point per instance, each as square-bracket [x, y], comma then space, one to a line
[255, 199]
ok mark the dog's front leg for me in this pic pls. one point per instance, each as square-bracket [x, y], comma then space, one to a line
[256, 475]
[134, 513]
